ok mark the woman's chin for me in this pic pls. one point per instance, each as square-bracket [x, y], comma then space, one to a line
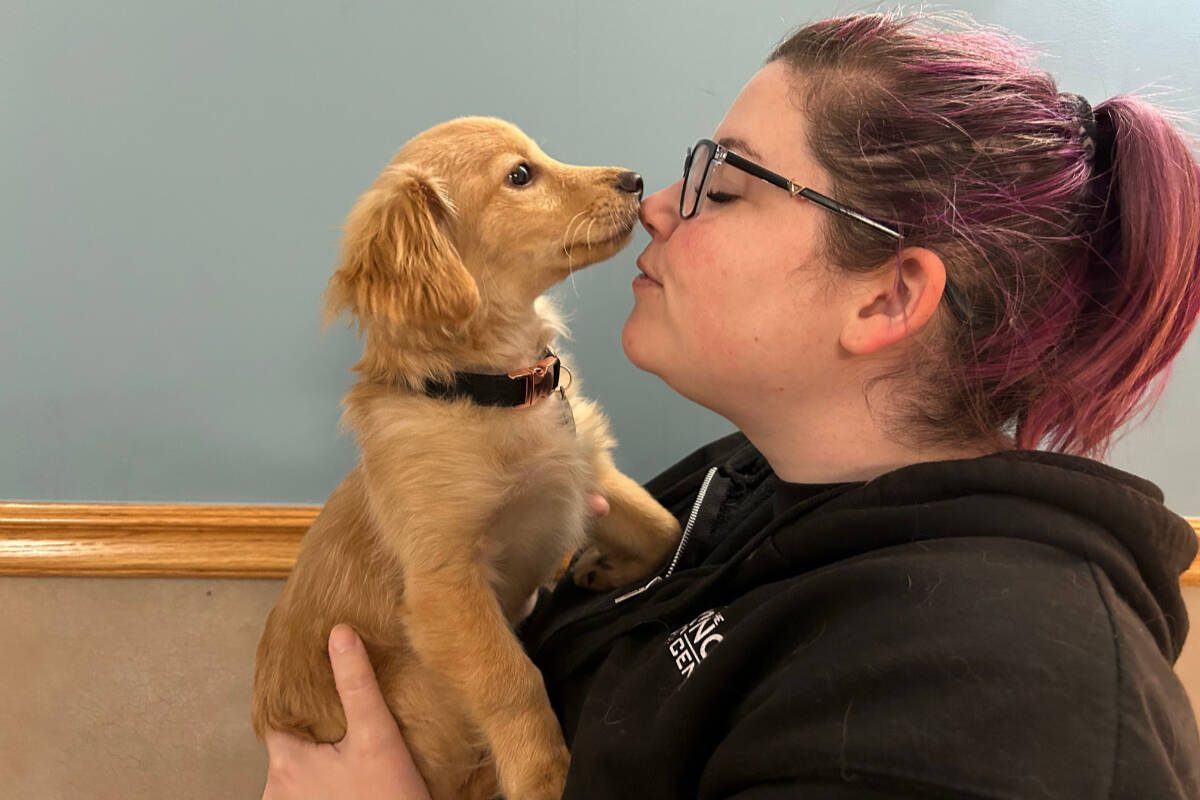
[636, 343]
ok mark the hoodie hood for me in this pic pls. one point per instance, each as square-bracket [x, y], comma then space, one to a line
[1102, 514]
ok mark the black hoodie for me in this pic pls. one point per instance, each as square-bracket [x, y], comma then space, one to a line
[995, 627]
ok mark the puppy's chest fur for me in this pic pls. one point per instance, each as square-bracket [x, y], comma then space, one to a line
[509, 483]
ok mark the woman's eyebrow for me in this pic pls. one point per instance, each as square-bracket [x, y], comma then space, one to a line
[739, 145]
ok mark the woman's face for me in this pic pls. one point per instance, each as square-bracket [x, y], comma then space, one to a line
[740, 301]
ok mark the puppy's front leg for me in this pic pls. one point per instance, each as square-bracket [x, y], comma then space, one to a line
[457, 627]
[636, 537]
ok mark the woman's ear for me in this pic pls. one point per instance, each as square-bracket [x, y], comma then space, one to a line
[398, 264]
[891, 306]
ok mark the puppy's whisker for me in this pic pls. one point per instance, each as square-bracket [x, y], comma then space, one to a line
[567, 242]
[587, 243]
[567, 251]
[571, 275]
[571, 269]
[567, 236]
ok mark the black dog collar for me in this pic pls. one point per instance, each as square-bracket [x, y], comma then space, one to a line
[518, 389]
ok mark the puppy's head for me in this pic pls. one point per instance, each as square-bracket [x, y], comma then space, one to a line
[473, 211]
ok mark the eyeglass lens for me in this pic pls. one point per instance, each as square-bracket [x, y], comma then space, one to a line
[693, 178]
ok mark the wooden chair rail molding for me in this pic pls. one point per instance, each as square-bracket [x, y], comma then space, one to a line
[153, 540]
[127, 539]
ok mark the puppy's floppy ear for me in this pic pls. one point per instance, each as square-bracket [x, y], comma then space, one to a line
[398, 264]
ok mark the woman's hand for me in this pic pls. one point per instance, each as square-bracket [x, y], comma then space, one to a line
[370, 762]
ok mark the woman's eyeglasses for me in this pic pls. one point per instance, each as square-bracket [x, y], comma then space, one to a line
[702, 162]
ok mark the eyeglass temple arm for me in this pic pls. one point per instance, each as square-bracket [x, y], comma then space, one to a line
[784, 183]
[838, 208]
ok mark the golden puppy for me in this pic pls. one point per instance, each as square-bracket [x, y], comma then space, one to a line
[459, 509]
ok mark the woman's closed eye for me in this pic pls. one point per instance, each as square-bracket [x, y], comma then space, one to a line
[721, 197]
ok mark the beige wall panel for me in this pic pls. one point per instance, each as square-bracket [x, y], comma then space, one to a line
[1188, 666]
[129, 688]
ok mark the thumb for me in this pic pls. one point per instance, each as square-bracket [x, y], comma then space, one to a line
[597, 505]
[357, 686]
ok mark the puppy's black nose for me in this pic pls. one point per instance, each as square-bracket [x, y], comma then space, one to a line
[631, 183]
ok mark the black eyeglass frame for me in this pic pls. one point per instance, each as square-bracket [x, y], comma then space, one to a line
[722, 155]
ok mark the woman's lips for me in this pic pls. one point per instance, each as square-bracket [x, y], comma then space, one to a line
[644, 278]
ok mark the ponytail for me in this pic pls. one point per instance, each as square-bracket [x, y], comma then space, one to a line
[1140, 282]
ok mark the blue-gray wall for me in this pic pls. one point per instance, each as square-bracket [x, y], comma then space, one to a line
[173, 177]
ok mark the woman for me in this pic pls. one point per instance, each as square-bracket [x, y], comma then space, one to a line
[886, 590]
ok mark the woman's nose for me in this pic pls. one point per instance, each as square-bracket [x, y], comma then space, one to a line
[659, 213]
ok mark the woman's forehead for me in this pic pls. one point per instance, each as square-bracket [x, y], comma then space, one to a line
[764, 123]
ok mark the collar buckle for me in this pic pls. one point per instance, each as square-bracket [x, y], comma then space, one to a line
[539, 380]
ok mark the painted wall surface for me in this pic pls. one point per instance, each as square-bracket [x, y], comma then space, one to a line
[173, 177]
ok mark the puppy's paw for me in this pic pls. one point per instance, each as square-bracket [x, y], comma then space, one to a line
[600, 571]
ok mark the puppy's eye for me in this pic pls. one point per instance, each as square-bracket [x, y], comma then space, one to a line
[521, 175]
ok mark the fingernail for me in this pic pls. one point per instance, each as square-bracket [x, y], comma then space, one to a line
[342, 638]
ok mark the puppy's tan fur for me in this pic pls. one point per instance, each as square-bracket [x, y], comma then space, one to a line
[456, 511]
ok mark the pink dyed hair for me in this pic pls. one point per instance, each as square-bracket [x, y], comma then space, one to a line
[1084, 279]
